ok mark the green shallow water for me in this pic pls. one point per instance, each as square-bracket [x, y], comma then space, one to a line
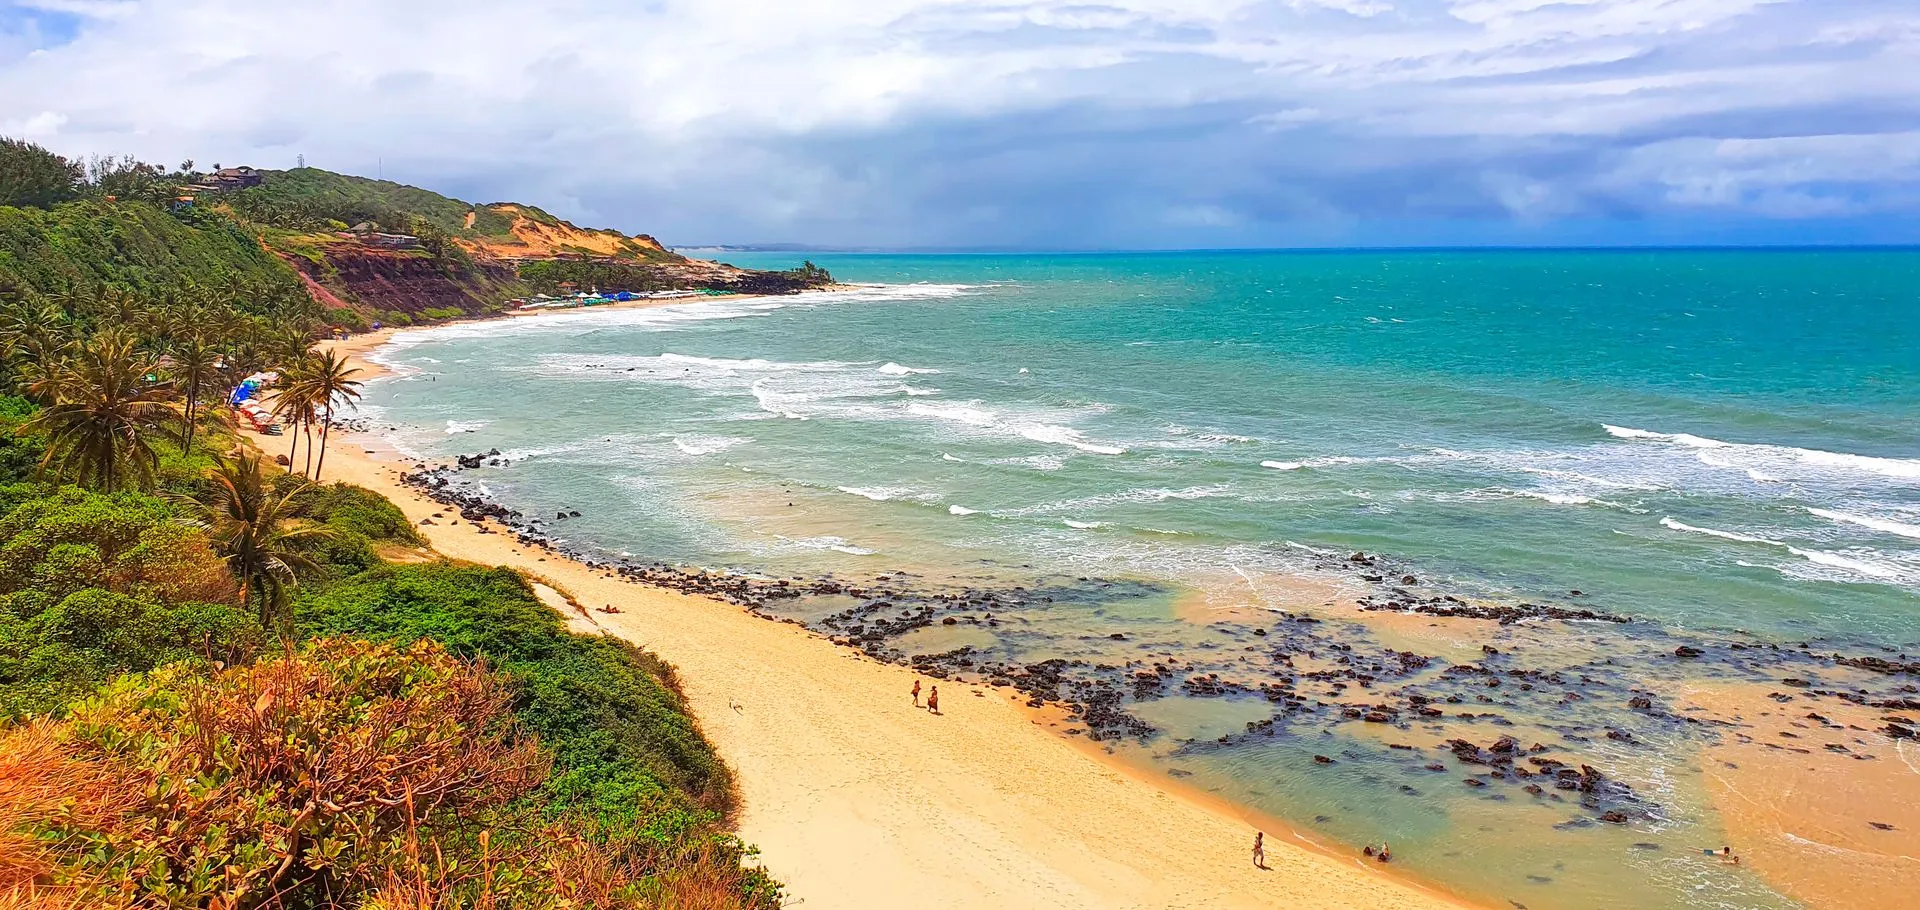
[1706, 440]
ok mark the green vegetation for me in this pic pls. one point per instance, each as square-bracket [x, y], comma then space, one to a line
[31, 175]
[93, 585]
[215, 692]
[564, 276]
[626, 754]
[312, 199]
[80, 249]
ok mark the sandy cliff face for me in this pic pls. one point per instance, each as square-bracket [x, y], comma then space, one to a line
[534, 237]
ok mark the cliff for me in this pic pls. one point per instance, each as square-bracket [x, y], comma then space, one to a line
[378, 251]
[534, 234]
[397, 286]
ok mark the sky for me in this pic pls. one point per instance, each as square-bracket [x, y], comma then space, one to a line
[1131, 124]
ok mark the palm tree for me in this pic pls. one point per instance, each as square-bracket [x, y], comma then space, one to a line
[104, 406]
[294, 405]
[35, 339]
[195, 361]
[258, 533]
[328, 383]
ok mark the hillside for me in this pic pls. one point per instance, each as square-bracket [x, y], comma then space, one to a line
[78, 248]
[350, 250]
[400, 254]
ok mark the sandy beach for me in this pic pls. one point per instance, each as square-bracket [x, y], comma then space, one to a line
[858, 800]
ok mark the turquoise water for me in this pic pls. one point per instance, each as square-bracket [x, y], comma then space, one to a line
[1704, 440]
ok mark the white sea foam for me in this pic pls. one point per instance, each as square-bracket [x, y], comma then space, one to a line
[1669, 522]
[1563, 499]
[1864, 566]
[707, 445]
[1139, 495]
[945, 457]
[465, 426]
[1857, 563]
[879, 494]
[1329, 461]
[1500, 494]
[754, 364]
[1868, 521]
[1767, 462]
[972, 415]
[1046, 462]
[835, 544]
[1083, 525]
[894, 369]
[961, 510]
[1070, 437]
[957, 413]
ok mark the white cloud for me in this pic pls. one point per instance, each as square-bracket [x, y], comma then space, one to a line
[876, 120]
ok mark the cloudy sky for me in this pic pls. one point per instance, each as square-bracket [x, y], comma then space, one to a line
[1059, 125]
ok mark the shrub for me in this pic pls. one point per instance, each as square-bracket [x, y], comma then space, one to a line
[124, 542]
[629, 762]
[20, 453]
[359, 519]
[31, 175]
[94, 585]
[291, 781]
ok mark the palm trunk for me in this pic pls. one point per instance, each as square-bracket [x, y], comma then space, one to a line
[309, 432]
[193, 392]
[326, 429]
[293, 430]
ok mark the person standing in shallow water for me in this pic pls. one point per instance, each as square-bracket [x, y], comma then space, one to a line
[916, 693]
[933, 700]
[1259, 849]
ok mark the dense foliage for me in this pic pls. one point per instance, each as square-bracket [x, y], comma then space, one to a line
[312, 199]
[32, 176]
[293, 781]
[94, 585]
[81, 248]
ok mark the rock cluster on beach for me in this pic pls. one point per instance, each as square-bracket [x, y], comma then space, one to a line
[1576, 711]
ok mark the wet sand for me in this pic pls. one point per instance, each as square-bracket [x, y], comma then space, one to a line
[858, 800]
[1807, 827]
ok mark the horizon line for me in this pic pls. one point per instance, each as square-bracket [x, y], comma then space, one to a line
[1436, 248]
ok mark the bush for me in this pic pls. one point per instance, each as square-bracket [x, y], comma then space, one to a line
[628, 759]
[356, 510]
[290, 782]
[360, 520]
[95, 585]
[128, 543]
[20, 454]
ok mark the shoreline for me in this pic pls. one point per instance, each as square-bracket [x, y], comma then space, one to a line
[856, 804]
[1795, 872]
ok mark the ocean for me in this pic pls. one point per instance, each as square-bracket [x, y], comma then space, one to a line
[1182, 449]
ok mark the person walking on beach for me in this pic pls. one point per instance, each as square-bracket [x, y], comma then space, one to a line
[1259, 849]
[916, 693]
[933, 700]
